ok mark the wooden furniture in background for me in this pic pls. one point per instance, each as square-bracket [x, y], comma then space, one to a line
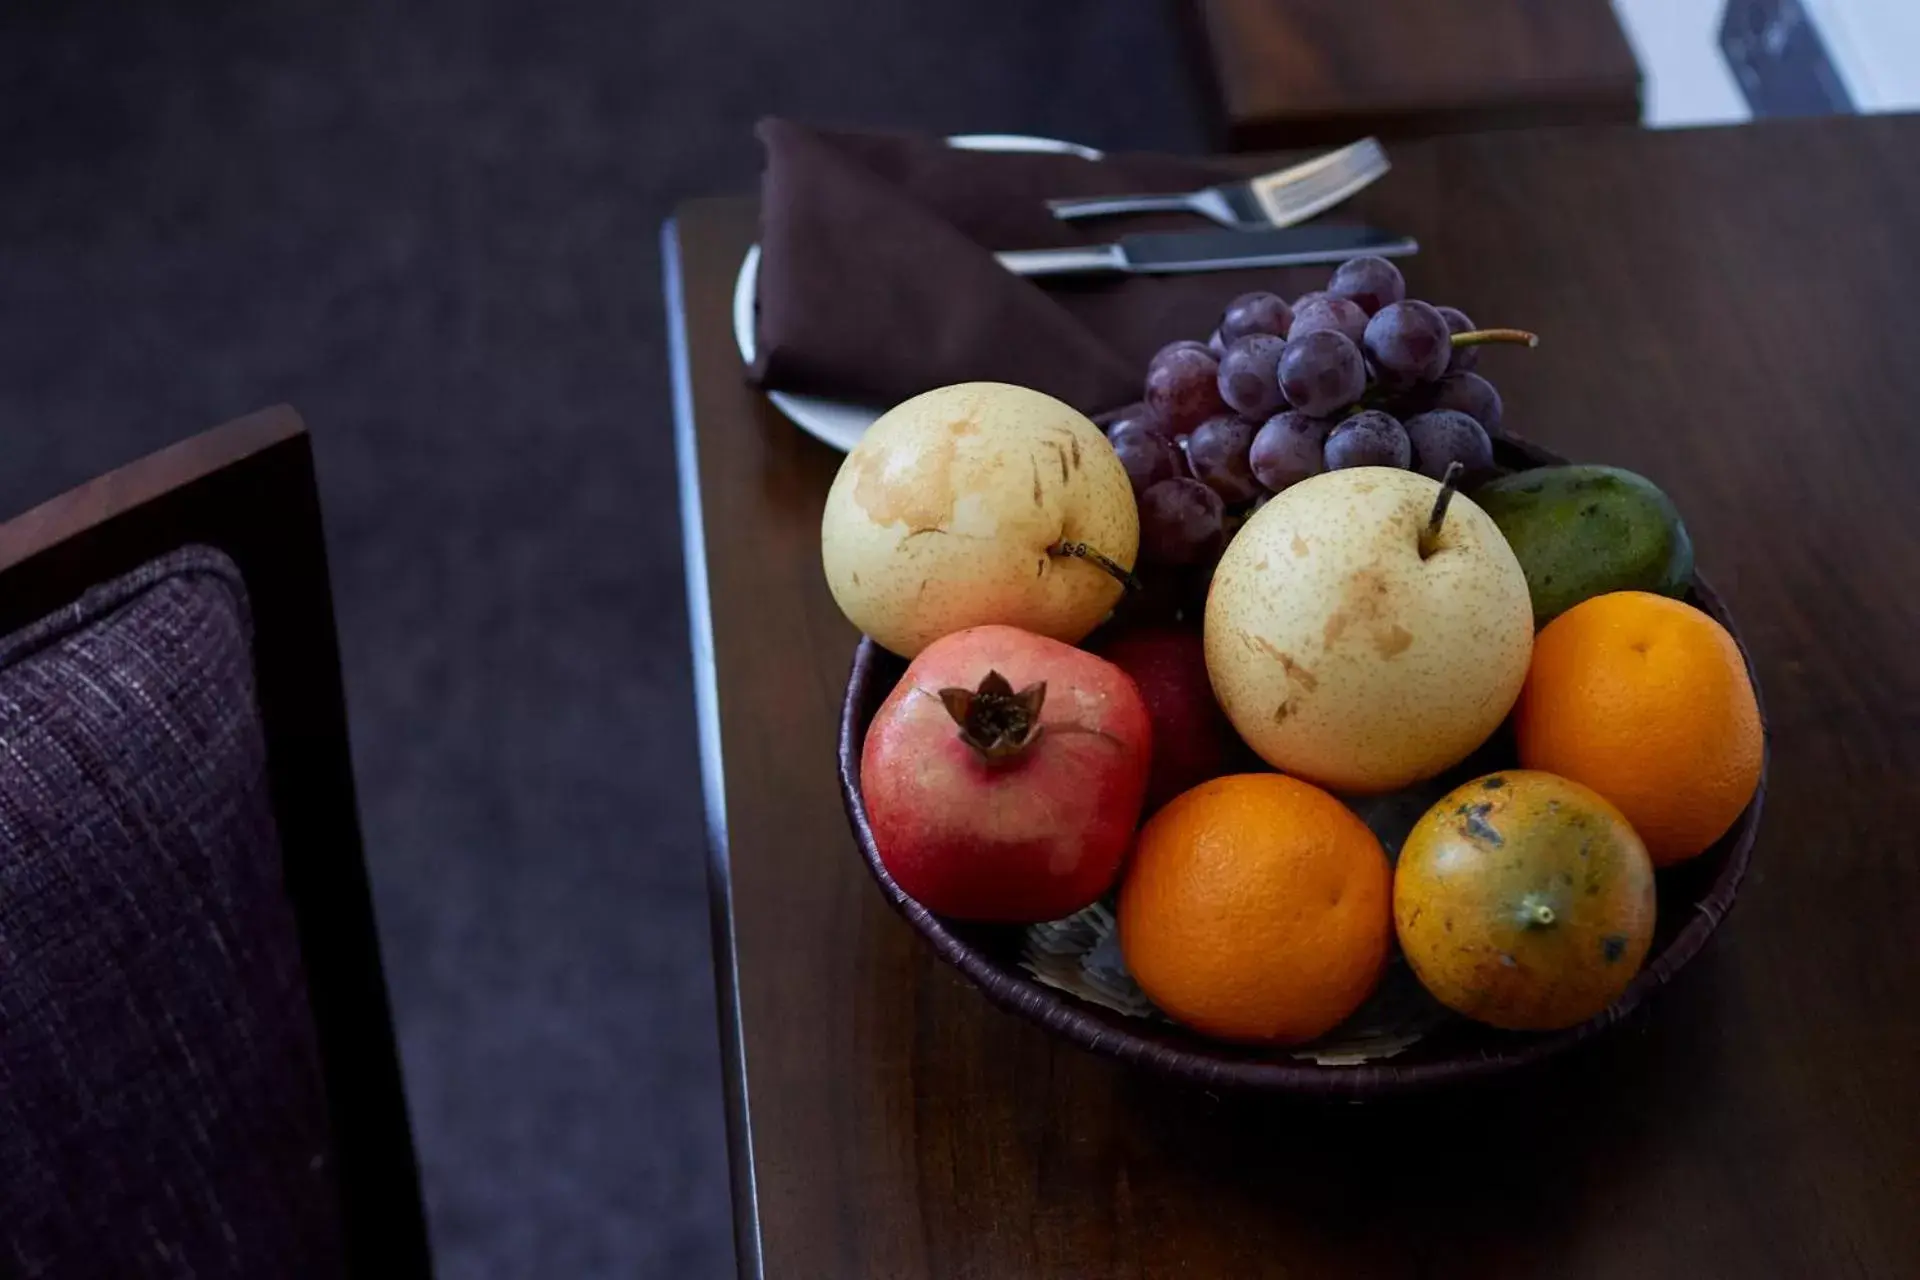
[247, 489]
[1737, 339]
[1289, 73]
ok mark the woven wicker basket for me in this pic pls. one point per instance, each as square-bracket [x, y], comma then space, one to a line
[1694, 897]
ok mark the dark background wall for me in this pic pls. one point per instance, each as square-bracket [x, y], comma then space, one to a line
[432, 228]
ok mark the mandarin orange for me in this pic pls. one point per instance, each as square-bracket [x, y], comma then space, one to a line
[1257, 908]
[1524, 901]
[1647, 701]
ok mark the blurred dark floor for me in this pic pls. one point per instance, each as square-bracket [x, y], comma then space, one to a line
[432, 228]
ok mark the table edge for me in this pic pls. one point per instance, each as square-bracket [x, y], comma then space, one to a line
[748, 1256]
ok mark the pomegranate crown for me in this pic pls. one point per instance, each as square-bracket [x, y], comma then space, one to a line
[994, 720]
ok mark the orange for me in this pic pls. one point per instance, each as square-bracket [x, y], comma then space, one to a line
[1524, 901]
[1256, 908]
[1647, 701]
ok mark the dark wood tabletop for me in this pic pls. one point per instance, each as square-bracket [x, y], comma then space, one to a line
[1298, 72]
[1733, 312]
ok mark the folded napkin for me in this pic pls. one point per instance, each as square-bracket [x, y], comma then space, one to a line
[877, 277]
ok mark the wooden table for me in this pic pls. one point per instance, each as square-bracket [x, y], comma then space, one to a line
[1291, 73]
[1730, 311]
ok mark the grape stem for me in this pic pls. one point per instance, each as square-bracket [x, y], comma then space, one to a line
[1081, 551]
[1486, 337]
[1449, 483]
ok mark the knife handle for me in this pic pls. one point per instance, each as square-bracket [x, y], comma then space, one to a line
[1081, 260]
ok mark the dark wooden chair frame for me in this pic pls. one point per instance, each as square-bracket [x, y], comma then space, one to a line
[247, 489]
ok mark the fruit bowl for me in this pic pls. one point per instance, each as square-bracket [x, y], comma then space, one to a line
[1693, 898]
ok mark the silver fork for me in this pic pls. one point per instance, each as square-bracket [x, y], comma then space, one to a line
[1278, 199]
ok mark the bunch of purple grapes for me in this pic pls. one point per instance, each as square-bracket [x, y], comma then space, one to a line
[1356, 375]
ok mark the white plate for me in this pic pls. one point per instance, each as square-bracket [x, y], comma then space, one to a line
[839, 422]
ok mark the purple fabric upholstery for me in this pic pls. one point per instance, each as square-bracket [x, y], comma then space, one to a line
[161, 1105]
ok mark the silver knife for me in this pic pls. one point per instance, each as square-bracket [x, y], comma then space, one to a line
[1174, 252]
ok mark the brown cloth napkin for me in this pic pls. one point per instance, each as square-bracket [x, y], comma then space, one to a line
[877, 277]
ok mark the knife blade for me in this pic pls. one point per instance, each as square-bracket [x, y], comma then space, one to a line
[1174, 252]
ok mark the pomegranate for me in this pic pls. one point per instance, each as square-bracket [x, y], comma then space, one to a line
[1003, 776]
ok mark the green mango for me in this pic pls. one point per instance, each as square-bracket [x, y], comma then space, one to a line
[1583, 531]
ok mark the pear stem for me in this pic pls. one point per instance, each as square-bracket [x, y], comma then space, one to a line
[1484, 337]
[1081, 551]
[1449, 484]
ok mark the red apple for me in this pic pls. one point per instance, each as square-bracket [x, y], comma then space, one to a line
[1003, 776]
[1192, 740]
